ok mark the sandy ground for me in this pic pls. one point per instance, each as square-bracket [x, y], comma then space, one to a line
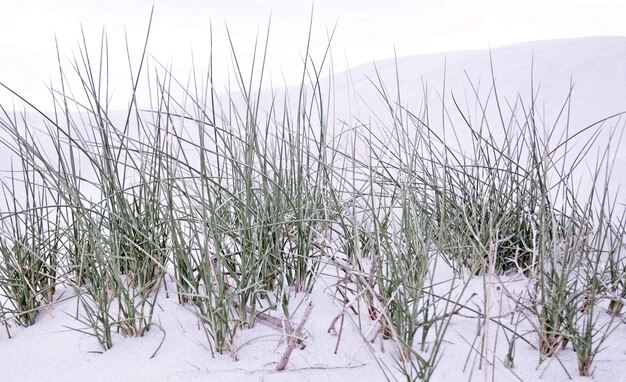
[54, 350]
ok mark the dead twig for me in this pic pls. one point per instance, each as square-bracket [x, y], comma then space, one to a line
[293, 339]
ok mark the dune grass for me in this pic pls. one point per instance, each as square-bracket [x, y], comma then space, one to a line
[245, 202]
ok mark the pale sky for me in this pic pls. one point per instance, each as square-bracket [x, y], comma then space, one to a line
[366, 30]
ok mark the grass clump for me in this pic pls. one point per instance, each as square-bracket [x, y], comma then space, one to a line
[245, 202]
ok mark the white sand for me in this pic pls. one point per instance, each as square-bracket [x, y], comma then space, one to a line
[49, 351]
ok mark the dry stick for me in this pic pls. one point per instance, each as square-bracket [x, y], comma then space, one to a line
[279, 323]
[291, 344]
[283, 324]
[331, 328]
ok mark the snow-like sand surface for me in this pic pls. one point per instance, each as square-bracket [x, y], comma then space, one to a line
[51, 351]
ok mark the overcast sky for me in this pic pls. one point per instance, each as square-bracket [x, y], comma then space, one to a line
[366, 30]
